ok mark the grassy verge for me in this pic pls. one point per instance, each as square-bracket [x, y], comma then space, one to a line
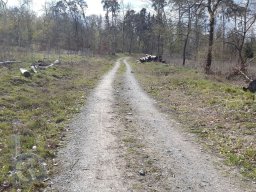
[220, 113]
[34, 113]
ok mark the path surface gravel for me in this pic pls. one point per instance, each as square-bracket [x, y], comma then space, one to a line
[93, 159]
[89, 161]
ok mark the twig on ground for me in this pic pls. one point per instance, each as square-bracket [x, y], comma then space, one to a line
[72, 167]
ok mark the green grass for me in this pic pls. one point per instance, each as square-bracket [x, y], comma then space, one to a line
[121, 69]
[36, 110]
[217, 110]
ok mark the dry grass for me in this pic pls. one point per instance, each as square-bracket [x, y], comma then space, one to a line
[217, 110]
[35, 111]
[220, 67]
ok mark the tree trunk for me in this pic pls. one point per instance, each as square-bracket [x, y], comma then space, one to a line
[186, 40]
[123, 37]
[113, 34]
[241, 58]
[185, 49]
[130, 46]
[223, 30]
[197, 36]
[158, 44]
[210, 46]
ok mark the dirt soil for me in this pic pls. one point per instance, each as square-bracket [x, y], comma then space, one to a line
[122, 142]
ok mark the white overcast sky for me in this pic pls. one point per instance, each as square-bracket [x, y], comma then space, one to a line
[94, 6]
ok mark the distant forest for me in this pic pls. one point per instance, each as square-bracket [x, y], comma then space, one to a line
[206, 32]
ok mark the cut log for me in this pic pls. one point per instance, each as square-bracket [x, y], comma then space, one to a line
[56, 62]
[25, 72]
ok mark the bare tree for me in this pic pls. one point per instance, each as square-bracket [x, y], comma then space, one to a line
[239, 34]
[212, 8]
[159, 6]
[113, 7]
[192, 7]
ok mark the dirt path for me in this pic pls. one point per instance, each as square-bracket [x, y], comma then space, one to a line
[121, 142]
[89, 162]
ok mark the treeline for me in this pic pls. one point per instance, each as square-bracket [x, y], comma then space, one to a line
[187, 30]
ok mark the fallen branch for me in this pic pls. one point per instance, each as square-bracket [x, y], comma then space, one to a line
[242, 73]
[238, 71]
[42, 65]
[72, 167]
[9, 62]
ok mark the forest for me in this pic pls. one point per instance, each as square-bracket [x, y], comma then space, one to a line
[213, 35]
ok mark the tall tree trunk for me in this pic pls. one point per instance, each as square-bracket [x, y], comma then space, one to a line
[197, 36]
[223, 30]
[123, 12]
[130, 46]
[187, 37]
[158, 44]
[122, 37]
[185, 48]
[241, 57]
[210, 46]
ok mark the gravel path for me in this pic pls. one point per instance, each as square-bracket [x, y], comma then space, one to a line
[89, 162]
[94, 158]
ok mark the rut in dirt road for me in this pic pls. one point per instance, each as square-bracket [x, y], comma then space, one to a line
[191, 169]
[89, 162]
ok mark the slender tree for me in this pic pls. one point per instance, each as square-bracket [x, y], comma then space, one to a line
[212, 8]
[159, 7]
[238, 35]
[113, 7]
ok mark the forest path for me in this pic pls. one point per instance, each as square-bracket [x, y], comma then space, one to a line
[121, 142]
[89, 161]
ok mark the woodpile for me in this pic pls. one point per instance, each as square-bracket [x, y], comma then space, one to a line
[151, 58]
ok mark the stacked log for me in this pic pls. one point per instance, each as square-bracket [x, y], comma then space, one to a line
[151, 58]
